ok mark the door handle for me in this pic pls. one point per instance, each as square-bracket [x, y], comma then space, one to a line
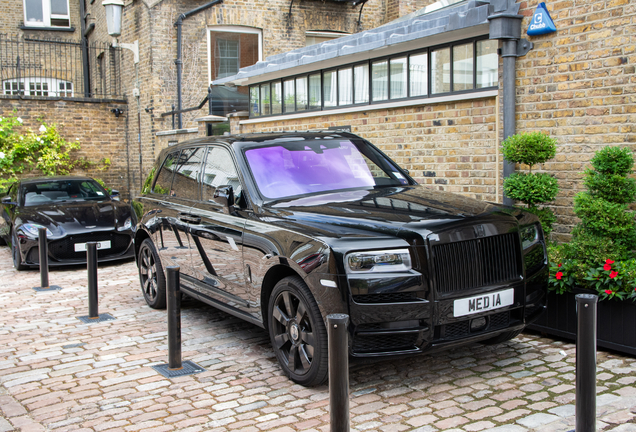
[190, 219]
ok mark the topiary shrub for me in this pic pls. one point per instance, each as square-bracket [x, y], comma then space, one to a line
[531, 188]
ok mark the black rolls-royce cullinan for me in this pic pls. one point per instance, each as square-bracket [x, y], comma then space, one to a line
[283, 229]
[74, 210]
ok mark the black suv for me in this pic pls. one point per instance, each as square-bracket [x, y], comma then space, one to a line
[283, 229]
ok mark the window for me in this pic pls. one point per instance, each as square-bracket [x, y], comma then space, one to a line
[186, 174]
[46, 13]
[458, 67]
[313, 37]
[232, 48]
[163, 184]
[265, 99]
[219, 170]
[38, 87]
[277, 98]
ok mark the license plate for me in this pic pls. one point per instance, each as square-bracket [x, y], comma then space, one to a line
[81, 247]
[483, 303]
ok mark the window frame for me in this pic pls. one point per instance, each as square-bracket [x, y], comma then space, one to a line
[406, 54]
[231, 29]
[47, 16]
[24, 87]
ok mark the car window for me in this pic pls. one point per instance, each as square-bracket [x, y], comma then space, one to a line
[57, 191]
[184, 184]
[166, 172]
[305, 166]
[219, 170]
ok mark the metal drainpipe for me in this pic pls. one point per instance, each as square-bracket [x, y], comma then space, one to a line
[509, 54]
[84, 45]
[178, 61]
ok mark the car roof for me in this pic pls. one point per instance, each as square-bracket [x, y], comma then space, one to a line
[54, 178]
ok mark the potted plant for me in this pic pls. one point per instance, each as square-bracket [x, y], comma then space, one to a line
[600, 258]
[532, 189]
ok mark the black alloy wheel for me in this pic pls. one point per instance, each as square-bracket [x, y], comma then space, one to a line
[153, 281]
[297, 332]
[15, 252]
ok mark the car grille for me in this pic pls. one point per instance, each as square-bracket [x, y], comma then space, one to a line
[386, 298]
[461, 329]
[475, 263]
[384, 343]
[64, 249]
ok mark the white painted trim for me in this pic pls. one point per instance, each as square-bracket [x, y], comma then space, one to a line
[388, 105]
[232, 29]
[177, 131]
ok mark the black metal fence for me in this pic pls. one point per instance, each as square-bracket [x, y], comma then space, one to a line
[59, 68]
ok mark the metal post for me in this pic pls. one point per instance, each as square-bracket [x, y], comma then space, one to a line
[338, 371]
[91, 265]
[43, 247]
[586, 363]
[174, 317]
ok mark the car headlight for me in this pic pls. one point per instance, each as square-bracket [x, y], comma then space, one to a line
[126, 226]
[529, 236]
[31, 230]
[378, 261]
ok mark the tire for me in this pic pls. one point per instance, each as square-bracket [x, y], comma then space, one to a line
[504, 337]
[151, 277]
[297, 332]
[15, 253]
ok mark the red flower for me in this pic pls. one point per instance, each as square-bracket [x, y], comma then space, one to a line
[608, 292]
[609, 261]
[558, 275]
[613, 274]
[559, 265]
[607, 266]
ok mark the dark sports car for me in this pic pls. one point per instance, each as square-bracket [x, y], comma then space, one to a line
[74, 210]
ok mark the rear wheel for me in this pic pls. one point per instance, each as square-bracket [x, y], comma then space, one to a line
[153, 282]
[297, 332]
[15, 252]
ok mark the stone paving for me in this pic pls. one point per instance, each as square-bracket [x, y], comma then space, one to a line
[57, 373]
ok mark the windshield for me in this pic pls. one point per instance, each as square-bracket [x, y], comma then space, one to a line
[301, 167]
[62, 190]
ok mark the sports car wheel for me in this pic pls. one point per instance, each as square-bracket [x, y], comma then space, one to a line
[297, 332]
[15, 252]
[153, 282]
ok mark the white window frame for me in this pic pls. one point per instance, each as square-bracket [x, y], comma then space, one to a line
[231, 29]
[47, 15]
[326, 34]
[52, 83]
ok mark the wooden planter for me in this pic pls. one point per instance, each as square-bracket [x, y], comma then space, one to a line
[615, 327]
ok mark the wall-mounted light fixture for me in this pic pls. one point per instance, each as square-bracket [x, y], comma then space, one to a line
[114, 10]
[117, 111]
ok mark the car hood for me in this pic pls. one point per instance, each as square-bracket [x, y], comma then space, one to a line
[388, 212]
[76, 217]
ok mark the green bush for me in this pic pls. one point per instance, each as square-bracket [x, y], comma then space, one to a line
[529, 148]
[531, 189]
[610, 187]
[613, 160]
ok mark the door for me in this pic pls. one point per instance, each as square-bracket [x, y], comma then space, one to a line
[218, 239]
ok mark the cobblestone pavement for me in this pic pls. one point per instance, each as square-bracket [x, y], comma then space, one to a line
[57, 373]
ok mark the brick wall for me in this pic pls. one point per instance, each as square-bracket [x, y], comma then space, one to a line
[579, 85]
[13, 18]
[97, 129]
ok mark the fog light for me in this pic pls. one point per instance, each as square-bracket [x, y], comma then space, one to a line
[478, 324]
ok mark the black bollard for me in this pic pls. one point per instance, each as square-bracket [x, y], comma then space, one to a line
[91, 264]
[43, 247]
[338, 371]
[586, 363]
[174, 317]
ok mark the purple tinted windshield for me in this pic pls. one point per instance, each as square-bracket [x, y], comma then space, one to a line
[303, 167]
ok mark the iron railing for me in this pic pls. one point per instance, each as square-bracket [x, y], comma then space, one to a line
[31, 66]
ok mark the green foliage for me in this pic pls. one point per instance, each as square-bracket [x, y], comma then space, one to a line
[103, 184]
[610, 187]
[24, 151]
[604, 218]
[147, 182]
[546, 217]
[613, 160]
[529, 148]
[531, 189]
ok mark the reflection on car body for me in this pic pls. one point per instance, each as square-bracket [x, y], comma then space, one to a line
[284, 229]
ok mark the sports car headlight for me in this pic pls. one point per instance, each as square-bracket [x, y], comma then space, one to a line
[126, 226]
[529, 236]
[31, 230]
[394, 260]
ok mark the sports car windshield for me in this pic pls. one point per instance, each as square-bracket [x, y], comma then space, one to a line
[55, 191]
[298, 167]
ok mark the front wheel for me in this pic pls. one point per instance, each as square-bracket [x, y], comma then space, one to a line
[297, 332]
[15, 252]
[153, 281]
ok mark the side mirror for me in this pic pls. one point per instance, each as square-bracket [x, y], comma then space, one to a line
[7, 200]
[114, 195]
[224, 195]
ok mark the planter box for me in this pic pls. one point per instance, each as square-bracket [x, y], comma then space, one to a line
[615, 326]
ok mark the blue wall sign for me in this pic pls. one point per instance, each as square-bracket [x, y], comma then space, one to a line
[541, 22]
